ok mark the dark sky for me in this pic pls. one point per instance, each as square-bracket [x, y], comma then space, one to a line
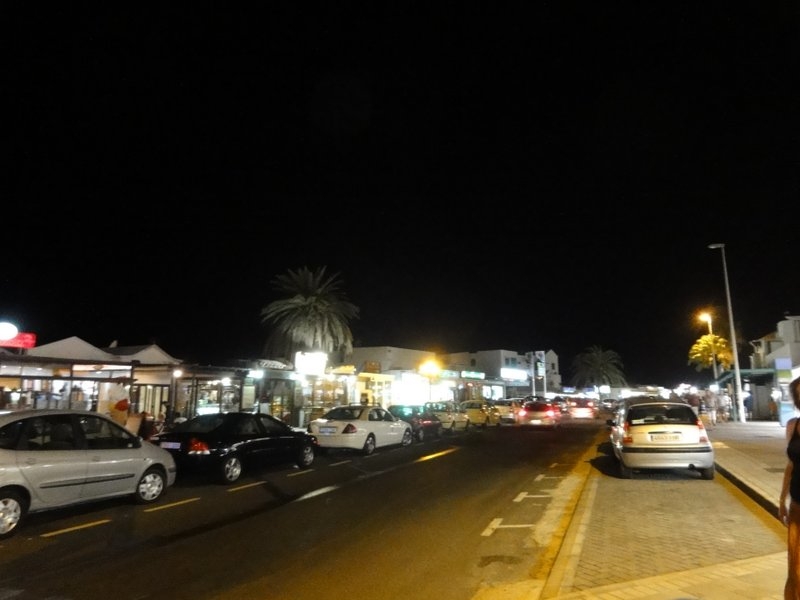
[528, 176]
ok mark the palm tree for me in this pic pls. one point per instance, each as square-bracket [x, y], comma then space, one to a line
[595, 367]
[709, 348]
[314, 315]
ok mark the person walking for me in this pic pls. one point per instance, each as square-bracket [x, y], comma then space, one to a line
[790, 490]
[712, 404]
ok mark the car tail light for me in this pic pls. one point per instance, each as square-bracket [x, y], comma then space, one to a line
[703, 433]
[551, 412]
[626, 434]
[349, 428]
[198, 447]
[522, 412]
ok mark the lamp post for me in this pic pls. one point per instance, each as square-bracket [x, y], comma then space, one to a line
[430, 369]
[737, 373]
[707, 318]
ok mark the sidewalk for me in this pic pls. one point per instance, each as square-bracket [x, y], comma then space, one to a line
[752, 456]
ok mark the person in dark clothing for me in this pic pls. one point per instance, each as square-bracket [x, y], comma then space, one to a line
[146, 427]
[790, 490]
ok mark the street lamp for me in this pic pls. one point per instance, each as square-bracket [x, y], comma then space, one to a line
[707, 318]
[430, 369]
[8, 331]
[737, 373]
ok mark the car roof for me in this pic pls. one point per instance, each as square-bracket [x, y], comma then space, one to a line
[8, 417]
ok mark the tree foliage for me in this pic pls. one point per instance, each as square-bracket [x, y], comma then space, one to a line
[702, 353]
[314, 315]
[595, 367]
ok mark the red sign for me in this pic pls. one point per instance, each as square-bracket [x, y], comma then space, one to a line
[21, 340]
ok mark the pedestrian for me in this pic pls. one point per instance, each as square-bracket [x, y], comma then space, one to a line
[711, 407]
[147, 428]
[790, 490]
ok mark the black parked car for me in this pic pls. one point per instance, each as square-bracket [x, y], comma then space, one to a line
[223, 445]
[423, 423]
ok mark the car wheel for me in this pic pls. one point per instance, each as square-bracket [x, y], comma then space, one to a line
[151, 486]
[707, 474]
[421, 434]
[369, 445]
[306, 457]
[231, 469]
[625, 472]
[407, 438]
[438, 432]
[13, 508]
[467, 426]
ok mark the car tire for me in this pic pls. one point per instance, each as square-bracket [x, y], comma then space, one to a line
[230, 469]
[151, 486]
[625, 472]
[13, 509]
[408, 438]
[369, 445]
[438, 432]
[707, 474]
[420, 434]
[306, 457]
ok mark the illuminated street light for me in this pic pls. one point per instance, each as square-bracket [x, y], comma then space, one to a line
[739, 404]
[8, 331]
[707, 318]
[430, 369]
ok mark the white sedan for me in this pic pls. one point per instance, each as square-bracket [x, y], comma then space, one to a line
[361, 428]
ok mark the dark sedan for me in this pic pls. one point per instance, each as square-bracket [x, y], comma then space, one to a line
[423, 423]
[223, 445]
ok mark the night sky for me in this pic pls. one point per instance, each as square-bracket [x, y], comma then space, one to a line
[530, 176]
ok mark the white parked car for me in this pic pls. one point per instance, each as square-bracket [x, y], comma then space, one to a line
[55, 458]
[650, 433]
[452, 415]
[359, 427]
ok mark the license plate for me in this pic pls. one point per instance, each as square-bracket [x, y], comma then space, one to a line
[327, 430]
[665, 437]
[171, 445]
[536, 421]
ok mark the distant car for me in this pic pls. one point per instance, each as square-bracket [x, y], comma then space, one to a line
[480, 413]
[224, 445]
[453, 417]
[55, 458]
[360, 427]
[539, 414]
[656, 434]
[582, 408]
[424, 424]
[507, 409]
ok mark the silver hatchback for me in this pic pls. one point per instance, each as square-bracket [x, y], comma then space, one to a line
[55, 458]
[656, 434]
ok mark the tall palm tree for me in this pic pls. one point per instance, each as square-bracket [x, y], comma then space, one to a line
[314, 315]
[595, 367]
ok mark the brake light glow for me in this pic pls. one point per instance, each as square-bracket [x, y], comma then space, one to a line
[196, 446]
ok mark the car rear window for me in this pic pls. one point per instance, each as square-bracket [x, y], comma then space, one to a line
[643, 415]
[344, 413]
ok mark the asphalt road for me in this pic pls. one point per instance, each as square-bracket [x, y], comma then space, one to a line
[451, 519]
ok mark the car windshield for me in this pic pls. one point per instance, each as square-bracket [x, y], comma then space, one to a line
[653, 413]
[344, 413]
[538, 406]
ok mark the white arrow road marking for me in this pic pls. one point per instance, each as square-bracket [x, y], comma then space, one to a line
[496, 524]
[523, 495]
